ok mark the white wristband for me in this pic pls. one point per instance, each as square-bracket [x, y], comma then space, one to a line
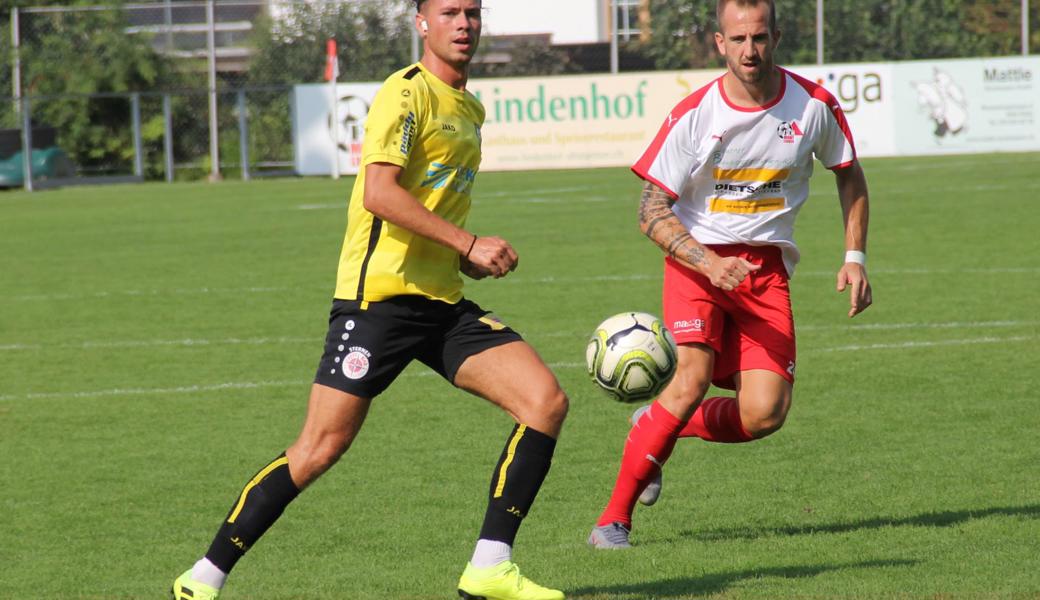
[855, 256]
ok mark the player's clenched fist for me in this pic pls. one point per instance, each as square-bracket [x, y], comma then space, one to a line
[494, 255]
[726, 272]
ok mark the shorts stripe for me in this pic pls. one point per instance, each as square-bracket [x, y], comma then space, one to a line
[513, 443]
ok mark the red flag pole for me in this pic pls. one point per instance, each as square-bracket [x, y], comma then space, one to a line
[331, 75]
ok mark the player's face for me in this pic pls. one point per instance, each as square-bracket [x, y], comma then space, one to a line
[747, 42]
[452, 29]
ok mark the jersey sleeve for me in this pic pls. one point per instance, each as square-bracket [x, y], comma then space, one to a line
[392, 124]
[671, 157]
[834, 146]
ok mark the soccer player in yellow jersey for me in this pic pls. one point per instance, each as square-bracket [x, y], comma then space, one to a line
[399, 298]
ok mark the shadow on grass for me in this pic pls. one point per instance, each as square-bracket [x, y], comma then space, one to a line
[715, 583]
[930, 519]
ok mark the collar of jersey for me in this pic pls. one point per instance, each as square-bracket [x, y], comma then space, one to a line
[436, 82]
[766, 106]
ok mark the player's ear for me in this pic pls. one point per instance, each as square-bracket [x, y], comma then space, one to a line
[720, 43]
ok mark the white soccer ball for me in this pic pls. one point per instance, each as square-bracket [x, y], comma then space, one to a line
[632, 356]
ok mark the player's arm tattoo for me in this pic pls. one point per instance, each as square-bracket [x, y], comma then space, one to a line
[660, 224]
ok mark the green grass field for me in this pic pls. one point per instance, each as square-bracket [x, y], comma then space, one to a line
[157, 344]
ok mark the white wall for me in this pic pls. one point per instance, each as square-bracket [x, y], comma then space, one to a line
[570, 21]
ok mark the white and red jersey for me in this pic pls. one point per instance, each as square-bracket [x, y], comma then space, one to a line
[740, 175]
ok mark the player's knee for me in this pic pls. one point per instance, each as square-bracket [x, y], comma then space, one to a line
[553, 405]
[761, 420]
[688, 387]
[314, 457]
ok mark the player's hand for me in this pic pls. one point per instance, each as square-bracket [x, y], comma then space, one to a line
[727, 272]
[471, 270]
[854, 277]
[494, 255]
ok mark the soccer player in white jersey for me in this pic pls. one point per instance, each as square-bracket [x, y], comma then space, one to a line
[725, 178]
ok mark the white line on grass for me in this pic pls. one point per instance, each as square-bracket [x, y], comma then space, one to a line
[154, 343]
[520, 280]
[912, 344]
[269, 341]
[191, 389]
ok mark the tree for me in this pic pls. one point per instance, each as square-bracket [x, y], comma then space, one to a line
[373, 40]
[67, 59]
[855, 31]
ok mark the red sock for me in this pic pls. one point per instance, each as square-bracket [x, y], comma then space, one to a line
[717, 420]
[653, 435]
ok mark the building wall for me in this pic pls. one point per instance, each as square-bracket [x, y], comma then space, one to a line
[569, 21]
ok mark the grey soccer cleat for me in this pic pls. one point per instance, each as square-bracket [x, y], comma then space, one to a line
[609, 537]
[653, 489]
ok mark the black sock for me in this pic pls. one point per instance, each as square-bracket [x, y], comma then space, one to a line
[515, 482]
[259, 505]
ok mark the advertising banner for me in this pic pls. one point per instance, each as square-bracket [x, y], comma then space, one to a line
[864, 91]
[972, 105]
[570, 122]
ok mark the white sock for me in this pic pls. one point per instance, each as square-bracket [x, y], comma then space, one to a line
[489, 553]
[208, 573]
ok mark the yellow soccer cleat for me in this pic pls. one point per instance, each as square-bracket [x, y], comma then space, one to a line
[186, 588]
[502, 582]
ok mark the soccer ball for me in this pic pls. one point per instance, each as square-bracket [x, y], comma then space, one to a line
[632, 356]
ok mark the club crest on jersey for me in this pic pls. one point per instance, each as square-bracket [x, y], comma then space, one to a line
[789, 131]
[356, 363]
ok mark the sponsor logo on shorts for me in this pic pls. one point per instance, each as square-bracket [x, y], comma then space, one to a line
[683, 326]
[356, 363]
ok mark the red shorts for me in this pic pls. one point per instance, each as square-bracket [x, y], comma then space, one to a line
[750, 327]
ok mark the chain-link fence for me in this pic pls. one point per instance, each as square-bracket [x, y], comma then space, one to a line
[189, 89]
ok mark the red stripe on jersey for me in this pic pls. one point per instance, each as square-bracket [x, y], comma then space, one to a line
[818, 92]
[691, 102]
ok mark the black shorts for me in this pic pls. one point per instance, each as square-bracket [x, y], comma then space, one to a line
[367, 348]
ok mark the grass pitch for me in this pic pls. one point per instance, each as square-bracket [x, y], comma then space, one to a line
[157, 343]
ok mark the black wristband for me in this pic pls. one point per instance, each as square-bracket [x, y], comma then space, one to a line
[471, 244]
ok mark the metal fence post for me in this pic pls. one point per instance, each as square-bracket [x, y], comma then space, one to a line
[819, 32]
[16, 67]
[135, 123]
[1025, 27]
[167, 111]
[214, 138]
[243, 135]
[27, 169]
[613, 37]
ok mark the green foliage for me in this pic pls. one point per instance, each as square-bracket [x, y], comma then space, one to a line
[855, 31]
[372, 42]
[527, 57]
[66, 57]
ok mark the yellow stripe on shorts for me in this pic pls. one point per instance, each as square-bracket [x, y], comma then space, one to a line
[510, 451]
[746, 207]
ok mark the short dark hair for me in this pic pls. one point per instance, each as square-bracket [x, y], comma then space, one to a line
[721, 5]
[418, 5]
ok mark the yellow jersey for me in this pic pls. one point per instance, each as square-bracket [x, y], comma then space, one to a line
[432, 131]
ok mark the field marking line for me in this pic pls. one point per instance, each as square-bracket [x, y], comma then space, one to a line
[912, 344]
[512, 195]
[267, 341]
[428, 373]
[519, 280]
[188, 342]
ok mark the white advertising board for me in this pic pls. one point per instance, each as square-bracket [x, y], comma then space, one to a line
[893, 109]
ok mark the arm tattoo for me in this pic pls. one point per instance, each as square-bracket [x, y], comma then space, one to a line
[661, 225]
